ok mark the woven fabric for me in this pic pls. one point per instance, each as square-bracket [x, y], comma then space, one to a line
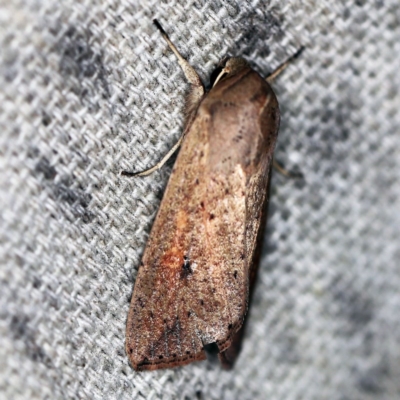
[89, 88]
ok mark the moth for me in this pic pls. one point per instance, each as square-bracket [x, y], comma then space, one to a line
[193, 285]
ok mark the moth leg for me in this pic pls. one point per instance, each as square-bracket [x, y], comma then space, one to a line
[158, 165]
[196, 94]
[271, 77]
[190, 73]
[285, 172]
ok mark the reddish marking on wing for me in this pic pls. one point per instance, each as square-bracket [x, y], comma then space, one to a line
[173, 259]
[181, 222]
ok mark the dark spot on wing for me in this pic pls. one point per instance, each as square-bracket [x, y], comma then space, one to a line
[186, 269]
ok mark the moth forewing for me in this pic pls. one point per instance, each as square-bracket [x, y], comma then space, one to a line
[192, 288]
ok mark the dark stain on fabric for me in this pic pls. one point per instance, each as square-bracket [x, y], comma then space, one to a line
[257, 26]
[355, 306]
[77, 198]
[20, 330]
[338, 112]
[43, 167]
[368, 344]
[361, 3]
[9, 66]
[81, 60]
[36, 282]
[46, 120]
[334, 123]
[372, 381]
[287, 346]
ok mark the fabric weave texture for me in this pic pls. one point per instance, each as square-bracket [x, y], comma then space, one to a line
[89, 88]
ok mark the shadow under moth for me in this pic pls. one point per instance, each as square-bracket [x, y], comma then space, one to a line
[194, 282]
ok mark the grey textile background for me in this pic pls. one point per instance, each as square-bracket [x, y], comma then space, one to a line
[88, 89]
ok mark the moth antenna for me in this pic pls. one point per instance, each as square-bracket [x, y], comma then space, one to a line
[285, 172]
[190, 73]
[271, 77]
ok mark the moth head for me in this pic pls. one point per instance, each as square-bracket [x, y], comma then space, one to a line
[227, 67]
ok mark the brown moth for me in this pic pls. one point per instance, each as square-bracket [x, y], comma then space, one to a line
[193, 285]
